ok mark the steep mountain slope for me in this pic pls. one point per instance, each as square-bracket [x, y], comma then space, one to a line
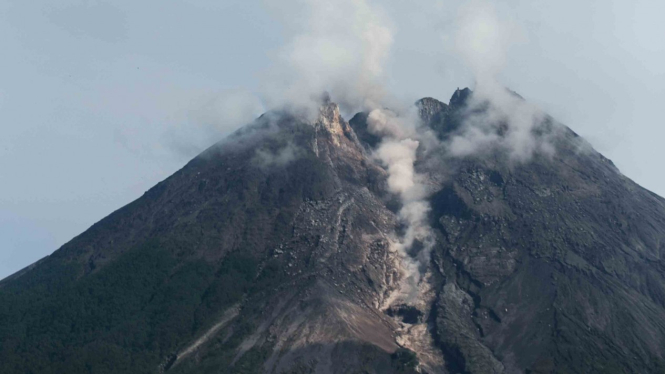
[272, 252]
[274, 240]
[554, 264]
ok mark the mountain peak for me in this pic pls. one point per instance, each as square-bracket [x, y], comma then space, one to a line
[428, 107]
[330, 119]
[281, 255]
[460, 97]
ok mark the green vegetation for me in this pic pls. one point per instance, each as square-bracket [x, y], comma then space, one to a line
[404, 361]
[127, 317]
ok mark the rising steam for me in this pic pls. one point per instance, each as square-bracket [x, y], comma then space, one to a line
[496, 117]
[343, 48]
[398, 153]
[338, 47]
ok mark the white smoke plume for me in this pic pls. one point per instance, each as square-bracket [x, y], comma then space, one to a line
[398, 153]
[281, 157]
[496, 117]
[501, 120]
[483, 38]
[193, 120]
[340, 47]
[343, 48]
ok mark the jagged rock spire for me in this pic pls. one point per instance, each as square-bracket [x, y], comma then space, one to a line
[460, 97]
[428, 107]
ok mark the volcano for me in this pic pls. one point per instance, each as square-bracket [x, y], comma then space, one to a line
[273, 251]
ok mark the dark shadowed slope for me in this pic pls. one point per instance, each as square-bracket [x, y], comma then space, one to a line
[270, 253]
[281, 222]
[551, 265]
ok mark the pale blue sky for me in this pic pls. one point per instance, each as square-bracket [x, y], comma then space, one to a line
[100, 100]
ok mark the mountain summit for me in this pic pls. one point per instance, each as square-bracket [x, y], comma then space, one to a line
[282, 249]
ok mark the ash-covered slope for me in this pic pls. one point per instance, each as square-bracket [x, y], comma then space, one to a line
[550, 265]
[266, 253]
[273, 252]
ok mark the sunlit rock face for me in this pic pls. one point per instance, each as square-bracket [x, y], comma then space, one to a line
[278, 251]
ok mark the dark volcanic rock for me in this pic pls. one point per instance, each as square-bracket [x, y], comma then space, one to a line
[271, 252]
[552, 265]
[428, 108]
